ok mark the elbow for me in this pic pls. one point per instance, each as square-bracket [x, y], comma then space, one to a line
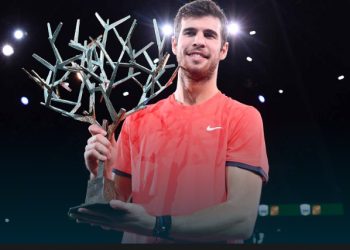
[247, 231]
[248, 226]
[242, 230]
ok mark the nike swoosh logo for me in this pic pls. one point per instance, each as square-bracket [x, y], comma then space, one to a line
[209, 129]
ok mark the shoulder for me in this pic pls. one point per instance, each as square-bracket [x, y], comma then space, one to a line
[239, 111]
[148, 111]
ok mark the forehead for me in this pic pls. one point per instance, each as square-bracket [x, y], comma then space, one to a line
[201, 23]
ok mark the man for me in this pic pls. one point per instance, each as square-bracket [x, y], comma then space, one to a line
[193, 163]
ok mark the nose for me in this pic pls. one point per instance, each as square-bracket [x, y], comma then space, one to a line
[198, 40]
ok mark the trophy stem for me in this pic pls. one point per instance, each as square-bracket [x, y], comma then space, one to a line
[100, 169]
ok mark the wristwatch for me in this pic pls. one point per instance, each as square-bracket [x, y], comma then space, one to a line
[162, 227]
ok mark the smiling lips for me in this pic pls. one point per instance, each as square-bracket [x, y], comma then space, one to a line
[197, 54]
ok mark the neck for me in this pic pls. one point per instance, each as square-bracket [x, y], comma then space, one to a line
[192, 92]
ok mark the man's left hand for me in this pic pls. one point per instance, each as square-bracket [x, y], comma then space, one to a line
[133, 218]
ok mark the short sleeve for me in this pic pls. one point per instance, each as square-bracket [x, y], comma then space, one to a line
[246, 144]
[122, 151]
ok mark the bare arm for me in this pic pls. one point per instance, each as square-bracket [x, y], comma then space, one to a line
[233, 219]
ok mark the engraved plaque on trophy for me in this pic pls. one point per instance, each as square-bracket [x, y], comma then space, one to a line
[99, 76]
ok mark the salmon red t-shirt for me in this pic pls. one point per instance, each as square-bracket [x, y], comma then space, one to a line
[176, 155]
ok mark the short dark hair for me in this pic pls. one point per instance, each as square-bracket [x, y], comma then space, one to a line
[201, 8]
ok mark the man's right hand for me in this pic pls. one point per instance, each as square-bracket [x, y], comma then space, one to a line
[98, 148]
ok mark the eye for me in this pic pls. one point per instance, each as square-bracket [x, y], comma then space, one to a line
[189, 33]
[210, 35]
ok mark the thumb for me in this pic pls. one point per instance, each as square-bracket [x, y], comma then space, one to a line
[119, 205]
[94, 129]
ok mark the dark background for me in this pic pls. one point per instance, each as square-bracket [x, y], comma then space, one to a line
[301, 47]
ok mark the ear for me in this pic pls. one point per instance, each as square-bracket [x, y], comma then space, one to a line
[173, 44]
[224, 50]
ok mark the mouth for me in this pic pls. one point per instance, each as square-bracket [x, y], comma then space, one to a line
[196, 54]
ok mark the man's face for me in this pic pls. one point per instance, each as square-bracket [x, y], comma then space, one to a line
[198, 48]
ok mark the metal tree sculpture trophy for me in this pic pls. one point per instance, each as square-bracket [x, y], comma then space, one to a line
[93, 63]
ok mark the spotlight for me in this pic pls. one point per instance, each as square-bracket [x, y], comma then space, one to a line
[252, 33]
[249, 59]
[126, 93]
[281, 91]
[261, 99]
[341, 77]
[24, 101]
[234, 28]
[18, 34]
[7, 50]
[167, 30]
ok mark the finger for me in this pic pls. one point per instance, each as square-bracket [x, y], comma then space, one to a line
[92, 155]
[91, 218]
[79, 221]
[101, 149]
[95, 129]
[107, 228]
[93, 222]
[119, 205]
[99, 139]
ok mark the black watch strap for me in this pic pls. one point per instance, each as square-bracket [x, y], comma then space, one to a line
[162, 227]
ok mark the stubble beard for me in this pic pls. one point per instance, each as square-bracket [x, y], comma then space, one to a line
[199, 74]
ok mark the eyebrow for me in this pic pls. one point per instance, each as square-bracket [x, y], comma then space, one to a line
[210, 31]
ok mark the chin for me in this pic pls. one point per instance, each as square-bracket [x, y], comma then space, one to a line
[198, 75]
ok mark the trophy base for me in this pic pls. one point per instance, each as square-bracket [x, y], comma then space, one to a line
[102, 208]
[100, 191]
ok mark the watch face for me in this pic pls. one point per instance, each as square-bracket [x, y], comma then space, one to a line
[162, 227]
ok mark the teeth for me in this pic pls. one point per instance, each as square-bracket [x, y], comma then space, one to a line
[197, 56]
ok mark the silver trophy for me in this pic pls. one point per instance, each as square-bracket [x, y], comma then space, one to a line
[99, 76]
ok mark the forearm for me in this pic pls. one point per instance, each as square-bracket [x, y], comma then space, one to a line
[222, 222]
